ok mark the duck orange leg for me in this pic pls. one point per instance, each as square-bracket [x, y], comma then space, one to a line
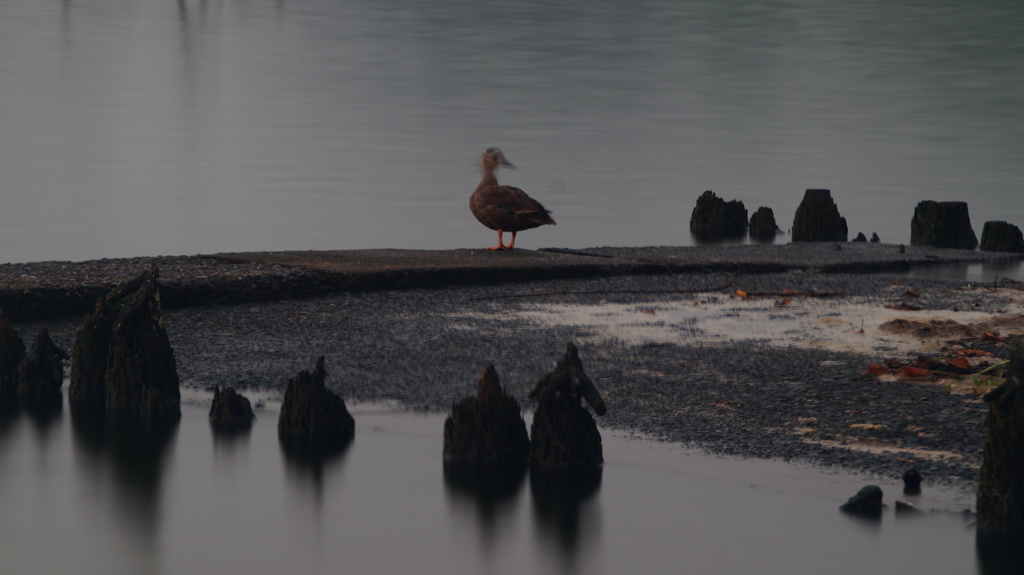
[511, 244]
[501, 241]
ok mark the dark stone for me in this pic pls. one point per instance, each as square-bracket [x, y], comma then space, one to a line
[141, 374]
[762, 224]
[1001, 237]
[867, 502]
[312, 417]
[564, 432]
[714, 218]
[942, 225]
[488, 428]
[912, 482]
[12, 351]
[861, 238]
[817, 219]
[230, 410]
[1000, 502]
[874, 238]
[41, 373]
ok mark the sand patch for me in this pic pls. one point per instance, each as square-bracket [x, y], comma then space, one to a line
[841, 324]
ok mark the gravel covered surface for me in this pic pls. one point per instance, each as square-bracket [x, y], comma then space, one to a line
[746, 396]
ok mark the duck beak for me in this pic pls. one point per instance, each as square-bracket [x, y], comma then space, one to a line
[506, 163]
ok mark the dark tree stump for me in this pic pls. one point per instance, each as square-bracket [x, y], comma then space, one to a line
[122, 359]
[861, 238]
[12, 351]
[141, 374]
[312, 417]
[713, 218]
[817, 219]
[89, 359]
[564, 432]
[762, 224]
[1000, 502]
[1001, 237]
[942, 225]
[230, 410]
[488, 428]
[41, 373]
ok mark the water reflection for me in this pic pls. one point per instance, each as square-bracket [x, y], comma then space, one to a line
[1000, 553]
[981, 272]
[134, 452]
[491, 492]
[43, 411]
[310, 466]
[566, 517]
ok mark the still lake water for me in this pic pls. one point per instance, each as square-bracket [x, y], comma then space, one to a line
[153, 127]
[87, 497]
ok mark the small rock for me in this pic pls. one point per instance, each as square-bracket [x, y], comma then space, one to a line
[905, 507]
[867, 502]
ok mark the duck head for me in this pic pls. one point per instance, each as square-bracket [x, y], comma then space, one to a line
[492, 158]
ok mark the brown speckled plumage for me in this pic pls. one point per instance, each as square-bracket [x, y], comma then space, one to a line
[504, 208]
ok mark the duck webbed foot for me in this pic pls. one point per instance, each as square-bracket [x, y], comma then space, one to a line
[501, 242]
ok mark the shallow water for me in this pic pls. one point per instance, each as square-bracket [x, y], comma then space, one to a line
[149, 127]
[92, 498]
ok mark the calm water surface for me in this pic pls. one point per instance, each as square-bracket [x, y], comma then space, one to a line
[83, 496]
[149, 127]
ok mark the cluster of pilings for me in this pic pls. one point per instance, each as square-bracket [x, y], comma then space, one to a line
[489, 428]
[817, 219]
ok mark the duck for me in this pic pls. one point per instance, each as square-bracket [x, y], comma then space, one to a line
[504, 208]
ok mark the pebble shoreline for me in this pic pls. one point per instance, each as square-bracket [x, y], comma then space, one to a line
[424, 348]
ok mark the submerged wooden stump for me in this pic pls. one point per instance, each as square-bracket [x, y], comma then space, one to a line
[942, 225]
[122, 354]
[89, 359]
[1001, 237]
[1000, 502]
[713, 218]
[312, 417]
[41, 373]
[230, 411]
[817, 219]
[762, 224]
[563, 431]
[12, 351]
[487, 428]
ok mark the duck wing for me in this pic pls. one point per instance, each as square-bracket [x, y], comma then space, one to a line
[508, 208]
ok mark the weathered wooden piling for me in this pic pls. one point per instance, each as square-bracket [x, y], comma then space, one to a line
[488, 427]
[1000, 501]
